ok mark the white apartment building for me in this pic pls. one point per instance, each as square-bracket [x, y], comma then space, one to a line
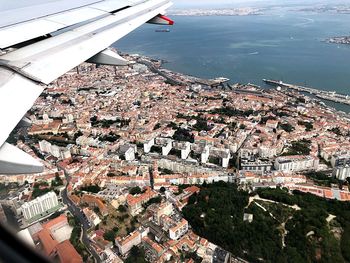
[39, 205]
[56, 151]
[342, 172]
[125, 244]
[178, 230]
[296, 163]
[93, 218]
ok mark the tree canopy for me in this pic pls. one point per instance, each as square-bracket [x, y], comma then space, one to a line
[307, 236]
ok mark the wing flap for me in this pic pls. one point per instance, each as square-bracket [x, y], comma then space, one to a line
[48, 59]
[17, 26]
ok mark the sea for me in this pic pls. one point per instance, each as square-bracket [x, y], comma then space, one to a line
[281, 45]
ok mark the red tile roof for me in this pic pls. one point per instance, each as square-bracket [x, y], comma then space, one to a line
[56, 221]
[47, 241]
[192, 189]
[67, 253]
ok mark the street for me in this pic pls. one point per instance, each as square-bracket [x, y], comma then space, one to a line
[76, 212]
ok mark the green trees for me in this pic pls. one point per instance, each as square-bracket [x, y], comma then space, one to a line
[301, 147]
[286, 127]
[57, 182]
[201, 125]
[111, 137]
[40, 188]
[91, 188]
[75, 237]
[336, 131]
[310, 236]
[137, 255]
[122, 208]
[308, 125]
[321, 178]
[135, 190]
[345, 242]
[183, 135]
[154, 200]
[216, 213]
[96, 209]
[110, 235]
[229, 111]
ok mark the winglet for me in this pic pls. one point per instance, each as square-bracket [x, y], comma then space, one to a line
[161, 20]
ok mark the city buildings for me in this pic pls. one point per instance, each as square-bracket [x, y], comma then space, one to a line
[125, 244]
[341, 172]
[341, 166]
[94, 201]
[135, 202]
[93, 218]
[40, 206]
[63, 252]
[296, 163]
[127, 128]
[178, 229]
[58, 152]
[256, 165]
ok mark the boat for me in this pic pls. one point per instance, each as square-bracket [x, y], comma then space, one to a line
[163, 30]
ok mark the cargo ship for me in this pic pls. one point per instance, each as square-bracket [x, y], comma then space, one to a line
[163, 30]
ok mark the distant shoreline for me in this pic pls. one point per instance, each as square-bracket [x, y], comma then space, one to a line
[344, 40]
[247, 11]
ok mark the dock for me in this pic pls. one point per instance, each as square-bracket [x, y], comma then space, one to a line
[178, 79]
[208, 82]
[321, 94]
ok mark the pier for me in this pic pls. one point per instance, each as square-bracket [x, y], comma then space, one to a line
[321, 94]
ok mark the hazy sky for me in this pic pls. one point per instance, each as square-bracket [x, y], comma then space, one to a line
[211, 2]
[8, 4]
[218, 3]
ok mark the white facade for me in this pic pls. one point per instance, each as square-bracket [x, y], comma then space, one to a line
[58, 152]
[45, 146]
[267, 152]
[342, 172]
[130, 154]
[178, 230]
[148, 145]
[39, 205]
[93, 218]
[125, 244]
[296, 163]
[87, 141]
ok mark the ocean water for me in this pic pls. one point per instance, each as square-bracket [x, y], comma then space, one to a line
[282, 45]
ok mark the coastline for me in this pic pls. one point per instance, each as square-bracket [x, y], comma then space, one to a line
[184, 79]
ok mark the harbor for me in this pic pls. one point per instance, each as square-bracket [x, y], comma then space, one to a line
[175, 78]
[321, 94]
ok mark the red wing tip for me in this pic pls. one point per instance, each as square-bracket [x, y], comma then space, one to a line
[171, 22]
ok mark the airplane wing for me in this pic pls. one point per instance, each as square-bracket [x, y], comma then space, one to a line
[43, 42]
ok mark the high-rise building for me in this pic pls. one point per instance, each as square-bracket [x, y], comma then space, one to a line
[39, 205]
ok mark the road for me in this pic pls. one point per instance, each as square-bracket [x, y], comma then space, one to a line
[171, 80]
[76, 212]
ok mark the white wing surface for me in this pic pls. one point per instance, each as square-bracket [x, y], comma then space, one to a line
[83, 30]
